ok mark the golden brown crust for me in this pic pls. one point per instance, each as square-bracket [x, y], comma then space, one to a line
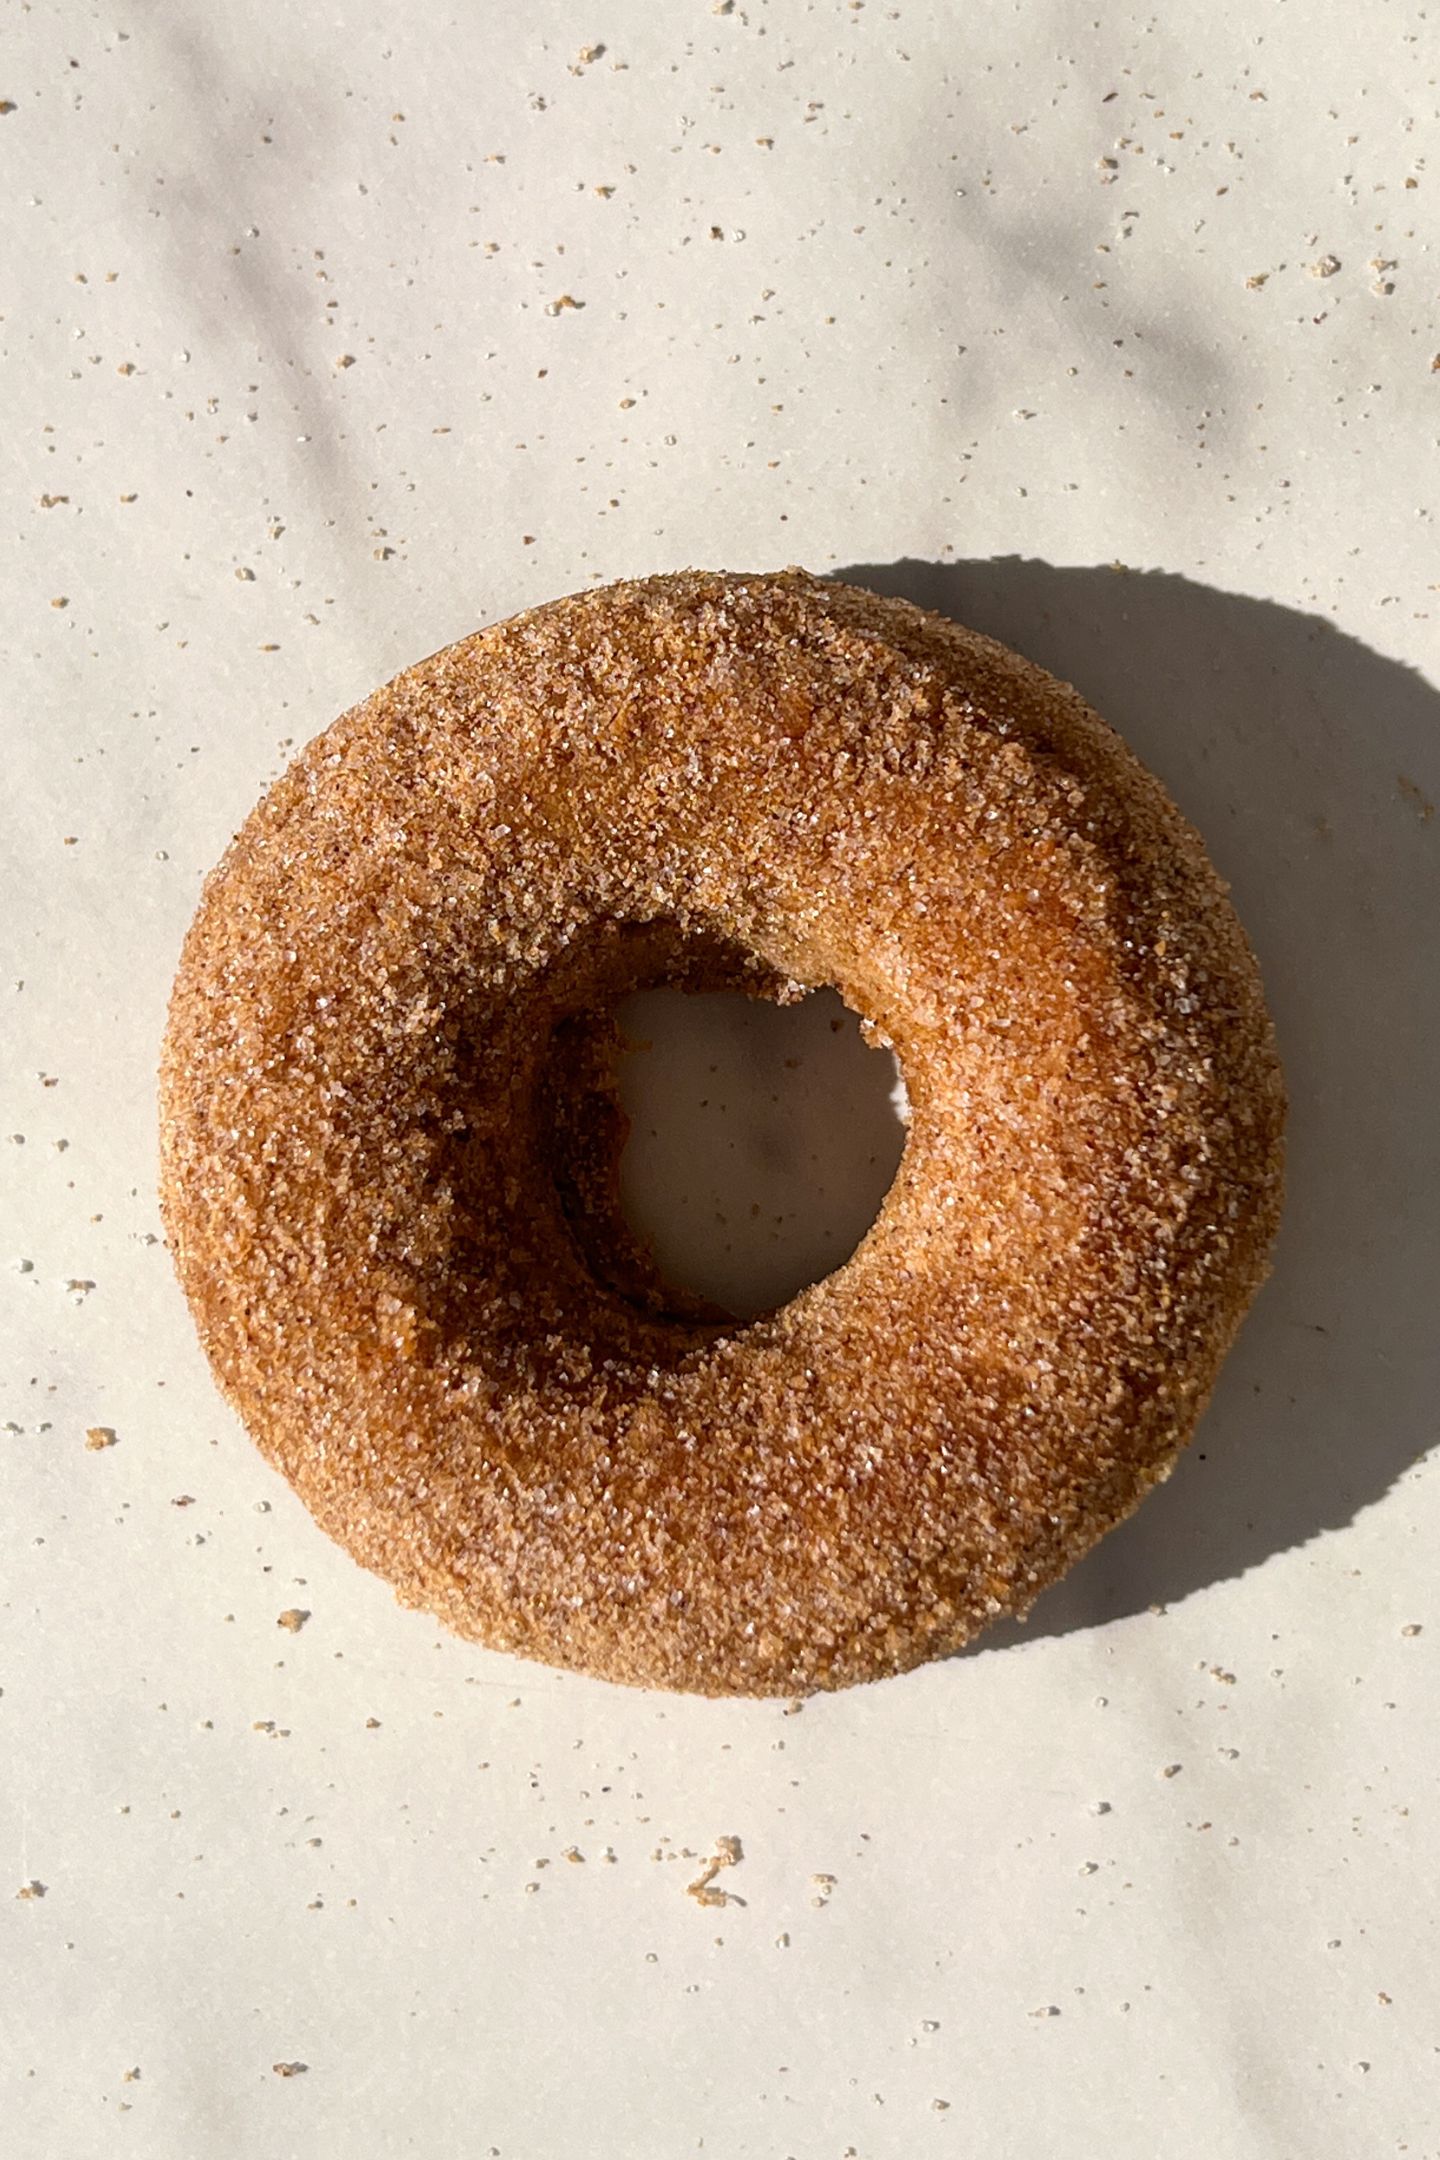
[730, 773]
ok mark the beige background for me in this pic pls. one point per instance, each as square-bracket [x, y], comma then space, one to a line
[1031, 311]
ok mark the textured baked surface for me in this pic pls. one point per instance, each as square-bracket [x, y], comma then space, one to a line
[383, 1111]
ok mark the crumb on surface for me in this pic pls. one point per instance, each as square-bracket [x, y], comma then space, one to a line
[728, 1853]
[1415, 794]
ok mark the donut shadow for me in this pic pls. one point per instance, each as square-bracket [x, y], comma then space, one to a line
[1308, 764]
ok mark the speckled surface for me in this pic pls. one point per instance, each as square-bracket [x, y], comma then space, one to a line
[941, 344]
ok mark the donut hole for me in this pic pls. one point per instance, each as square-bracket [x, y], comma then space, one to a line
[763, 1139]
[713, 1139]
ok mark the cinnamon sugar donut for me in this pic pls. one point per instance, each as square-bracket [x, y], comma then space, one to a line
[390, 1131]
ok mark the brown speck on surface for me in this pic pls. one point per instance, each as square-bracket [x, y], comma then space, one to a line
[1412, 1628]
[131, 2076]
[61, 600]
[372, 1724]
[345, 360]
[728, 1853]
[183, 1500]
[1256, 279]
[289, 2069]
[1415, 794]
[101, 1436]
[1324, 266]
[293, 1618]
[563, 304]
[30, 1891]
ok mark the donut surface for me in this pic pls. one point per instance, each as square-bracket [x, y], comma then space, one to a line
[389, 1134]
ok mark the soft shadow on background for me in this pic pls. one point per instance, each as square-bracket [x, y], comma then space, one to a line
[1308, 763]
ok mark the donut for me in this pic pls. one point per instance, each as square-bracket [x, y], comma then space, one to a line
[390, 1132]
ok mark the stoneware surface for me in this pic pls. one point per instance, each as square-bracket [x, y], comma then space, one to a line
[331, 333]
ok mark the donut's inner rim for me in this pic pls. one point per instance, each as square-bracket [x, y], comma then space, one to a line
[583, 1127]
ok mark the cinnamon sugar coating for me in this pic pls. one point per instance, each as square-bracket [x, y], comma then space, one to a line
[389, 1140]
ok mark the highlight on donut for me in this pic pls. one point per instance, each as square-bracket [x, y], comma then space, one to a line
[391, 1132]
